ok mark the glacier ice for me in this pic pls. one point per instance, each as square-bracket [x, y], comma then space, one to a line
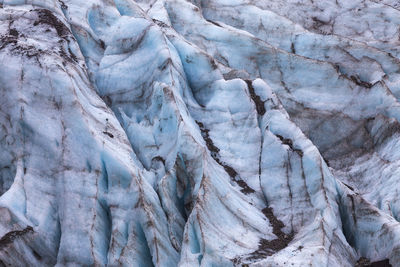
[199, 133]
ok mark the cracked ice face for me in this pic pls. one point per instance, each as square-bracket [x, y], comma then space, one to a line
[199, 133]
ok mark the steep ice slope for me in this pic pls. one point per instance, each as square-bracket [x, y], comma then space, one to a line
[202, 133]
[373, 22]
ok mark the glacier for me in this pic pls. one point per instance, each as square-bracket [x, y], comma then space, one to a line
[199, 133]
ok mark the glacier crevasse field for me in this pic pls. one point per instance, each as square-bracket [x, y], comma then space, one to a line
[199, 133]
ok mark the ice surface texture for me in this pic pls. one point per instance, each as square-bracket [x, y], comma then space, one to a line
[199, 133]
